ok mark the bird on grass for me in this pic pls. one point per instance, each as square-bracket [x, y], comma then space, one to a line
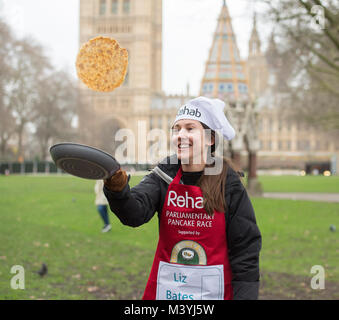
[43, 270]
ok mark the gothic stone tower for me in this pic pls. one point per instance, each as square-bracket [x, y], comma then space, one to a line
[226, 78]
[256, 64]
[137, 26]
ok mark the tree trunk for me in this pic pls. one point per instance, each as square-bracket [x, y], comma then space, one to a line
[20, 131]
[253, 185]
[236, 159]
[43, 150]
[3, 147]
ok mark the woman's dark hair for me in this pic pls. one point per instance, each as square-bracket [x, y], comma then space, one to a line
[213, 186]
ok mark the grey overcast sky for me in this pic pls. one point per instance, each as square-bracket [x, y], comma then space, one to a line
[188, 27]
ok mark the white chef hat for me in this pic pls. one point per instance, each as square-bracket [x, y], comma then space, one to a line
[208, 111]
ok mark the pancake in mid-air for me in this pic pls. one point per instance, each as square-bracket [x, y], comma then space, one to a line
[102, 64]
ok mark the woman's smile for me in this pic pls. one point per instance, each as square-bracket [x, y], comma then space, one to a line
[184, 146]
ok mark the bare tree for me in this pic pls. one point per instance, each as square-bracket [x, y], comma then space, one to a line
[54, 110]
[7, 124]
[29, 67]
[36, 101]
[307, 61]
[6, 73]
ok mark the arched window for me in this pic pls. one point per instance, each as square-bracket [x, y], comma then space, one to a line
[242, 88]
[114, 6]
[102, 8]
[126, 6]
[208, 88]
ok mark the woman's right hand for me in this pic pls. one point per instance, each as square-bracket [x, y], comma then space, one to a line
[117, 182]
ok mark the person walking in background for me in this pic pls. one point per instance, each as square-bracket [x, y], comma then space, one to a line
[102, 203]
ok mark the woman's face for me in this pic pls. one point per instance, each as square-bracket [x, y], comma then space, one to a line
[190, 141]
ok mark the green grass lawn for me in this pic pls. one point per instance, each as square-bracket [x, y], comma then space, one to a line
[54, 220]
[297, 235]
[300, 184]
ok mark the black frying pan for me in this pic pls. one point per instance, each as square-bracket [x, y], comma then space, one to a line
[84, 161]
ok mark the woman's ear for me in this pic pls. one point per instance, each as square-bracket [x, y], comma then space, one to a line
[210, 139]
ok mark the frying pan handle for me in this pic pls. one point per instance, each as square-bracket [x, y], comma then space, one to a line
[112, 173]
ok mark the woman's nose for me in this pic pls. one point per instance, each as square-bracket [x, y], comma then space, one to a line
[182, 134]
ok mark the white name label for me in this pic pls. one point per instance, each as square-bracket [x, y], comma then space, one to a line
[184, 282]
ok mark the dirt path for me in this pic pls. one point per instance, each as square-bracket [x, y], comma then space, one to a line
[324, 197]
[273, 286]
[283, 286]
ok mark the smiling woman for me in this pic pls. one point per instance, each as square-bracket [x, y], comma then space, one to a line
[207, 214]
[191, 144]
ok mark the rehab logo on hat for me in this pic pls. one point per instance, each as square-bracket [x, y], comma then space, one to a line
[186, 110]
[208, 111]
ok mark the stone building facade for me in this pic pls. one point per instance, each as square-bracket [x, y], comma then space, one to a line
[140, 101]
[285, 143]
[137, 26]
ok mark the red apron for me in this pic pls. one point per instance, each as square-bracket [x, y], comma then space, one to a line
[191, 260]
